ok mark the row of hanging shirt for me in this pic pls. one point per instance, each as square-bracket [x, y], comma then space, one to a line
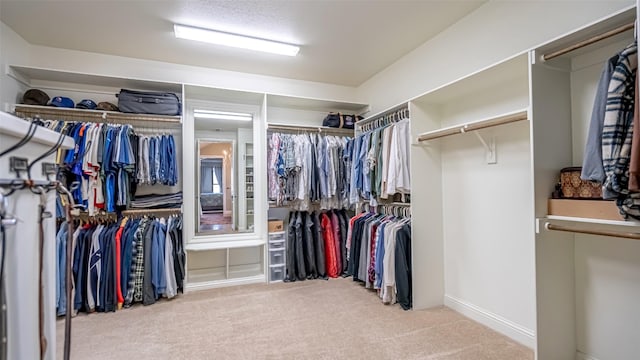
[316, 245]
[117, 264]
[612, 152]
[379, 249]
[306, 169]
[109, 161]
[381, 162]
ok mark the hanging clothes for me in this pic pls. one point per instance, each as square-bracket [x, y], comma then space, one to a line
[306, 169]
[610, 155]
[315, 245]
[329, 246]
[110, 268]
[379, 252]
[380, 162]
[110, 161]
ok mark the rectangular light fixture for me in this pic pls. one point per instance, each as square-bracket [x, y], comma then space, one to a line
[233, 40]
[222, 115]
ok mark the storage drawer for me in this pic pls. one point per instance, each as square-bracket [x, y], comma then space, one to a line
[280, 244]
[276, 257]
[276, 226]
[279, 236]
[276, 273]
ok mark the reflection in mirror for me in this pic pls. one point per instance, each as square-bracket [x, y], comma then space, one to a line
[224, 149]
[216, 194]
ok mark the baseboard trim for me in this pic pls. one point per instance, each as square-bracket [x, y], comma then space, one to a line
[496, 322]
[582, 356]
[204, 285]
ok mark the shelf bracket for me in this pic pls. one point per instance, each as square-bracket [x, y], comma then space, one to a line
[490, 148]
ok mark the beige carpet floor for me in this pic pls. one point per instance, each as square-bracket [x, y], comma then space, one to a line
[335, 319]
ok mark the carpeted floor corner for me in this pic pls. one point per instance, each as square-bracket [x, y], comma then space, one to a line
[317, 319]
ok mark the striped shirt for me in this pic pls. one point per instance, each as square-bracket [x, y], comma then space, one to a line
[135, 292]
[617, 131]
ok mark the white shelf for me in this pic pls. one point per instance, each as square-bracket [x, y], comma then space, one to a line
[36, 77]
[46, 112]
[217, 245]
[494, 76]
[592, 221]
[507, 118]
[12, 125]
[283, 101]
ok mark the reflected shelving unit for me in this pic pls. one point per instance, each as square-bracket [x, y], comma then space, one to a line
[249, 176]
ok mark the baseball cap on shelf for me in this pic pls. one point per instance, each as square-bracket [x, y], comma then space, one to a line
[35, 97]
[107, 106]
[86, 104]
[61, 101]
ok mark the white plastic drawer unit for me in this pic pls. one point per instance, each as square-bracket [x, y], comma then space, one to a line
[276, 257]
[273, 245]
[276, 273]
[277, 236]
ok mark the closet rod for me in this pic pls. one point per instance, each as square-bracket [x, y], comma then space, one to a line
[394, 204]
[27, 183]
[633, 236]
[320, 129]
[381, 115]
[96, 115]
[500, 120]
[589, 41]
[99, 215]
[150, 211]
[130, 212]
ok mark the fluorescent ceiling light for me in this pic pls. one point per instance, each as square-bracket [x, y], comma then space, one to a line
[222, 115]
[233, 40]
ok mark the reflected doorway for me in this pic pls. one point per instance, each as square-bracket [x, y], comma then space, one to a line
[216, 187]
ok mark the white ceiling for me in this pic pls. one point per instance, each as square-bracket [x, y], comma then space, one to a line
[342, 42]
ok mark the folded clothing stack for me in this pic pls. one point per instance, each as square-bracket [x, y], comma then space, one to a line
[156, 201]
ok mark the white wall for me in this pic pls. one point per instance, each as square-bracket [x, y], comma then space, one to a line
[117, 66]
[13, 49]
[497, 30]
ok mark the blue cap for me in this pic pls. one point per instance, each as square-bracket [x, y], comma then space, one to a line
[87, 104]
[61, 101]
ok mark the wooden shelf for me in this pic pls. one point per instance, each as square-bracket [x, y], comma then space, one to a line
[55, 113]
[518, 115]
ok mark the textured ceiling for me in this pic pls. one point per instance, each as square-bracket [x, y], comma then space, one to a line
[342, 42]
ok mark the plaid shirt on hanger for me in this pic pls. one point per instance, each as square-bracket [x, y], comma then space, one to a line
[617, 131]
[134, 292]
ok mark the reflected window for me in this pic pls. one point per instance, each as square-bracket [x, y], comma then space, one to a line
[211, 176]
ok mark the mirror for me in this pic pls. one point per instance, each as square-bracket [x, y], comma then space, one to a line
[224, 181]
[216, 193]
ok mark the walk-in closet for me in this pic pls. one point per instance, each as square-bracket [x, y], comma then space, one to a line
[341, 180]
